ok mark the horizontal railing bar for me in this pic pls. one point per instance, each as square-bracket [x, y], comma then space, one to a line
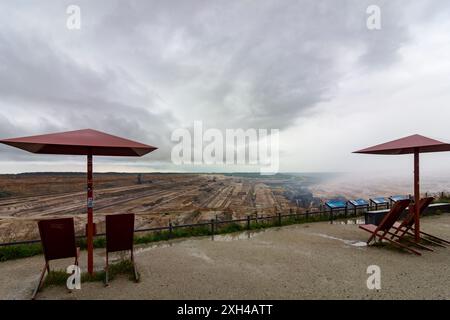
[216, 222]
[252, 217]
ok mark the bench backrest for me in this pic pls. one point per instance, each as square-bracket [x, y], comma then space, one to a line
[58, 238]
[119, 232]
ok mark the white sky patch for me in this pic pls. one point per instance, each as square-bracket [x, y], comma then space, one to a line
[142, 69]
[409, 97]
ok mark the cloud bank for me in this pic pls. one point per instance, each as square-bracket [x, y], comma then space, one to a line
[141, 69]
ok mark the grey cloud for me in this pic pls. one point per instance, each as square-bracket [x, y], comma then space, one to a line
[253, 64]
[141, 68]
[61, 94]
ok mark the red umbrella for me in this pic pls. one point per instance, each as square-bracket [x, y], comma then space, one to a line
[82, 142]
[415, 144]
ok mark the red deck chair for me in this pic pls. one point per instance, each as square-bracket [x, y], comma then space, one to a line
[383, 230]
[58, 242]
[119, 237]
[407, 225]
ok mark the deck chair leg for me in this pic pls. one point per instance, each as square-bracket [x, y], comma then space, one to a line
[380, 237]
[433, 242]
[371, 238]
[393, 236]
[409, 232]
[434, 237]
[419, 245]
[39, 285]
[401, 245]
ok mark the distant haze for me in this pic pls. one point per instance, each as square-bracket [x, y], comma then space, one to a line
[368, 185]
[141, 69]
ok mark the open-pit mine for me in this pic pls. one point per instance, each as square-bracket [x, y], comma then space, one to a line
[155, 198]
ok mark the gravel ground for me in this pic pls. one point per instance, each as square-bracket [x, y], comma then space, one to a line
[309, 261]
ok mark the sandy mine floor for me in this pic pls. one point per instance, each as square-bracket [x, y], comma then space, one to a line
[311, 261]
[179, 198]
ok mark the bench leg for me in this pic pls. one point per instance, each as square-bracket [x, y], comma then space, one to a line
[39, 285]
[136, 273]
[106, 271]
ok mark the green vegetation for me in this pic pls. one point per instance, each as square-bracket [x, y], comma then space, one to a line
[28, 250]
[176, 233]
[444, 199]
[99, 242]
[59, 277]
[19, 251]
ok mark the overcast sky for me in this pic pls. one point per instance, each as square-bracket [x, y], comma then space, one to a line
[312, 69]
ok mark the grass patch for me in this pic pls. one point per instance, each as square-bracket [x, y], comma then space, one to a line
[19, 251]
[229, 228]
[176, 233]
[28, 250]
[59, 277]
[443, 200]
[99, 242]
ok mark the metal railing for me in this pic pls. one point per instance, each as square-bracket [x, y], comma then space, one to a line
[324, 214]
[214, 224]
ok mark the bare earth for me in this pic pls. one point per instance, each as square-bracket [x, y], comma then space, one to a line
[310, 261]
[160, 198]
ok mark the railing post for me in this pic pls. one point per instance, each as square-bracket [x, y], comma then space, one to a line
[212, 227]
[366, 216]
[170, 228]
[307, 215]
[279, 218]
[248, 222]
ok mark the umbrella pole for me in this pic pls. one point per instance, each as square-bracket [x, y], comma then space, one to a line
[416, 196]
[90, 220]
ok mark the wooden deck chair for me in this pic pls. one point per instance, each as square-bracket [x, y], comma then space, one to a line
[119, 237]
[58, 242]
[383, 230]
[406, 227]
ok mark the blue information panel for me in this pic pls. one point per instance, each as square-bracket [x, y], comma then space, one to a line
[380, 200]
[398, 198]
[335, 204]
[359, 203]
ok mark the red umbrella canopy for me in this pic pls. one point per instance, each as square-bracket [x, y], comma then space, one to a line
[80, 142]
[410, 144]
